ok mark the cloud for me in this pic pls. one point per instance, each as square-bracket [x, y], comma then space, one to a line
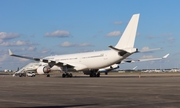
[151, 37]
[58, 33]
[138, 34]
[1, 40]
[22, 59]
[118, 22]
[148, 50]
[16, 43]
[171, 39]
[68, 44]
[44, 51]
[145, 48]
[85, 44]
[114, 33]
[167, 34]
[147, 56]
[31, 48]
[7, 36]
[3, 58]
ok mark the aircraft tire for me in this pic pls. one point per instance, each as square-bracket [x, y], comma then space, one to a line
[63, 75]
[70, 75]
[98, 74]
[91, 75]
[47, 75]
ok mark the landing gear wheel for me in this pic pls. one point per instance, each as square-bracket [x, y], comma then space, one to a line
[98, 74]
[95, 75]
[47, 75]
[91, 74]
[70, 75]
[67, 75]
[63, 75]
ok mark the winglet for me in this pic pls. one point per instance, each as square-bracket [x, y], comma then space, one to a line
[166, 56]
[10, 53]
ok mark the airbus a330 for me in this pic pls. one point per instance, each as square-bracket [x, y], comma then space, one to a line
[91, 62]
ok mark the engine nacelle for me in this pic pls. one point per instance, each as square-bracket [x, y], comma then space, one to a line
[43, 69]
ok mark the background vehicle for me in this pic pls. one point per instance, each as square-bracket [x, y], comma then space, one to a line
[31, 74]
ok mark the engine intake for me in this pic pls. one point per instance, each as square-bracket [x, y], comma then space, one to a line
[43, 69]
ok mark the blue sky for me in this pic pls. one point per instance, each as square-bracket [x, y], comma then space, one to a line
[50, 27]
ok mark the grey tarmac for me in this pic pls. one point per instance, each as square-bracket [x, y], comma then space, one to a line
[111, 91]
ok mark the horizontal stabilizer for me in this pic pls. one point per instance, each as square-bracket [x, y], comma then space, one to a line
[119, 50]
[126, 50]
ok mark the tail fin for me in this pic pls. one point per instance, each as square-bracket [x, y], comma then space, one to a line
[128, 37]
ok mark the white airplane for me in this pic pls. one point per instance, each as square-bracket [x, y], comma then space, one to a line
[31, 67]
[91, 62]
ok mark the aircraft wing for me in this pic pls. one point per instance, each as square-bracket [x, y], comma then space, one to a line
[50, 62]
[31, 58]
[150, 59]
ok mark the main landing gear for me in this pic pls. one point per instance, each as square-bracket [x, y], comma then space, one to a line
[94, 73]
[68, 75]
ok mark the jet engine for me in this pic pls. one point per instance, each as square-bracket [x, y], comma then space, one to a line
[43, 69]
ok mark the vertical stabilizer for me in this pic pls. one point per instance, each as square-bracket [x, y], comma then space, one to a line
[128, 37]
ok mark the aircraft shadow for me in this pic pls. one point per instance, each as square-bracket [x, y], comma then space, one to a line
[56, 106]
[119, 76]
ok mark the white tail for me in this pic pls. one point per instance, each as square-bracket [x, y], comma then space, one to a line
[128, 37]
